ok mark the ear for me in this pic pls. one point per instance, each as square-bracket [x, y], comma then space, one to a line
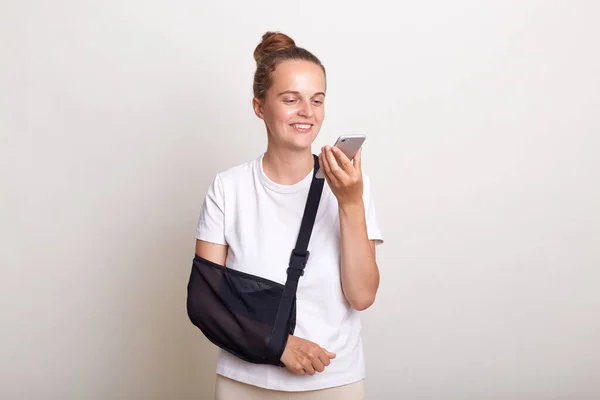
[257, 106]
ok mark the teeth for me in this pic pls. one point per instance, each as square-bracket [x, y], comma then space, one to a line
[301, 126]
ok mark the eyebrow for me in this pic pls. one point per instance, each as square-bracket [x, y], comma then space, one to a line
[297, 93]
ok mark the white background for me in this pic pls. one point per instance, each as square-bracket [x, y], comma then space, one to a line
[483, 139]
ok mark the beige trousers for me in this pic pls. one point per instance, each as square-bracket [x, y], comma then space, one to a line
[229, 389]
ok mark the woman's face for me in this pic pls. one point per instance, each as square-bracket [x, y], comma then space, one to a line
[293, 108]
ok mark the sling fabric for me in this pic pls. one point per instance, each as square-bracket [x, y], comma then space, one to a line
[247, 315]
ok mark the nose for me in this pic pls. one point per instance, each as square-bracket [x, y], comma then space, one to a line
[305, 109]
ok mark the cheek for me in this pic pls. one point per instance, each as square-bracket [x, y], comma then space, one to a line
[320, 114]
[284, 115]
[277, 115]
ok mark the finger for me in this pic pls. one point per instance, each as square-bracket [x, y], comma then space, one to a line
[317, 364]
[308, 368]
[324, 358]
[331, 179]
[336, 170]
[298, 368]
[330, 354]
[323, 165]
[343, 160]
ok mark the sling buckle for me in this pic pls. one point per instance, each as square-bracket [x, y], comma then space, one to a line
[298, 261]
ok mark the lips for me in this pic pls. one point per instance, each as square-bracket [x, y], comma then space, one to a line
[302, 127]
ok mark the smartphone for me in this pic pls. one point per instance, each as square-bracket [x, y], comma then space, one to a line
[349, 145]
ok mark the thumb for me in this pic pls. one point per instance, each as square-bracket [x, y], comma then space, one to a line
[330, 354]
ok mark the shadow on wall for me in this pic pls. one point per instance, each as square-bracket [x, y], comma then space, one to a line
[174, 358]
[170, 357]
[185, 359]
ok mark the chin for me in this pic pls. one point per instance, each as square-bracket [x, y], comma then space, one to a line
[302, 143]
[302, 140]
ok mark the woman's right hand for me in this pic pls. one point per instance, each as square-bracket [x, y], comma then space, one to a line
[302, 356]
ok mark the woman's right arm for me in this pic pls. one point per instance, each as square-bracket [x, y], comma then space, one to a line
[216, 253]
[300, 355]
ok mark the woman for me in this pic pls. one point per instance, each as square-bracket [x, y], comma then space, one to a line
[250, 219]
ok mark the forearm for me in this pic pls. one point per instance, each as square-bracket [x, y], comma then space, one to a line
[359, 271]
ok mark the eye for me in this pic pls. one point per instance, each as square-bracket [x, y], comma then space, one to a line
[318, 102]
[289, 101]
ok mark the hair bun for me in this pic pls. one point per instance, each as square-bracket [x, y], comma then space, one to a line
[272, 42]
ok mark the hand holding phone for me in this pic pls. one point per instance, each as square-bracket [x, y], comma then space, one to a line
[349, 145]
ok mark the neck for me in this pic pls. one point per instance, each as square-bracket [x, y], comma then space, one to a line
[286, 166]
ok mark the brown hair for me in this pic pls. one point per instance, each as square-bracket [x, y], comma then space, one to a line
[275, 48]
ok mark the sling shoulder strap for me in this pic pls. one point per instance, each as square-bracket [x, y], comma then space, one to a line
[297, 263]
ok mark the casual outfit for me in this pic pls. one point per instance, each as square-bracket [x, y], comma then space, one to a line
[259, 220]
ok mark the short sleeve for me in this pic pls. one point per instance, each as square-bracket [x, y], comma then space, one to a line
[373, 230]
[211, 223]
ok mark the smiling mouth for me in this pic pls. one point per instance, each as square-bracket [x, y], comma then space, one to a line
[302, 127]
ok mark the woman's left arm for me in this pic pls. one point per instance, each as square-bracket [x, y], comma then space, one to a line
[359, 271]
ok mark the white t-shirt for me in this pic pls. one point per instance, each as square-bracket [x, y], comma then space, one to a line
[259, 220]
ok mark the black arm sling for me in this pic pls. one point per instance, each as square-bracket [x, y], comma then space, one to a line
[247, 315]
